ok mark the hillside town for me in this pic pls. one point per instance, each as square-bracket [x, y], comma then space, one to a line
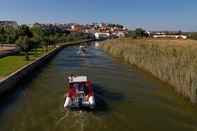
[104, 30]
[8, 23]
[99, 30]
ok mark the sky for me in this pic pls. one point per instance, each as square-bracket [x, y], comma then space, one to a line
[148, 14]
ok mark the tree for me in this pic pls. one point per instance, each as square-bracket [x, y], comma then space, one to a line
[8, 34]
[193, 35]
[35, 44]
[25, 31]
[45, 43]
[140, 32]
[38, 31]
[24, 43]
[132, 34]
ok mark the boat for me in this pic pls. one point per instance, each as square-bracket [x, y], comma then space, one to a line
[82, 50]
[96, 44]
[80, 93]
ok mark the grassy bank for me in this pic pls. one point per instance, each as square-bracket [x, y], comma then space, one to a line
[172, 61]
[10, 64]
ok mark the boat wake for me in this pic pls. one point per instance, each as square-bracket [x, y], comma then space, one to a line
[78, 120]
[62, 118]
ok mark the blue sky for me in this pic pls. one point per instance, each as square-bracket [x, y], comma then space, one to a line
[149, 14]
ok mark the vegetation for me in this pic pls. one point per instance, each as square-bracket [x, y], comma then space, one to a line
[172, 61]
[10, 64]
[24, 43]
[8, 34]
[37, 36]
[33, 42]
[137, 33]
[193, 35]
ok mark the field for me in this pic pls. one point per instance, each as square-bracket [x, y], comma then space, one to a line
[10, 64]
[172, 61]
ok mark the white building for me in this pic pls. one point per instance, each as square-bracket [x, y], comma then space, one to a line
[99, 35]
[170, 36]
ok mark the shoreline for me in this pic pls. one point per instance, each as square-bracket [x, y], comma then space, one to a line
[171, 61]
[9, 82]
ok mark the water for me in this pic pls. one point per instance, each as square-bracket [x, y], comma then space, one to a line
[127, 99]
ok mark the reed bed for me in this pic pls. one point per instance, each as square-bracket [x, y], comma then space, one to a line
[172, 61]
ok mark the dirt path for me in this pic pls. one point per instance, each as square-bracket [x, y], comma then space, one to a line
[7, 48]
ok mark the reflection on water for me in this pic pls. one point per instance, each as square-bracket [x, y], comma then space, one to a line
[127, 99]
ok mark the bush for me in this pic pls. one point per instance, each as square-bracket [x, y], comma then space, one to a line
[193, 36]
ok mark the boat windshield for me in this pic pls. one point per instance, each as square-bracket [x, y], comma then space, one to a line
[81, 87]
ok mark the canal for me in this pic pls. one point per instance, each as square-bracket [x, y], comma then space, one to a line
[127, 99]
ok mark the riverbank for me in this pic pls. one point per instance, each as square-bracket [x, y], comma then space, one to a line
[26, 68]
[172, 61]
[12, 63]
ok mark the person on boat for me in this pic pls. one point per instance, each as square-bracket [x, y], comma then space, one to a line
[88, 90]
[72, 91]
[70, 78]
[69, 96]
[90, 96]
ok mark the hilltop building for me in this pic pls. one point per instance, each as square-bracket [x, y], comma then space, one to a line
[8, 23]
[168, 34]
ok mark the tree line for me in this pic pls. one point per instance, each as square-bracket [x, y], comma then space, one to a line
[138, 33]
[28, 38]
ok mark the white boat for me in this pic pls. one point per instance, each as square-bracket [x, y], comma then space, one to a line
[80, 93]
[97, 44]
[82, 50]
